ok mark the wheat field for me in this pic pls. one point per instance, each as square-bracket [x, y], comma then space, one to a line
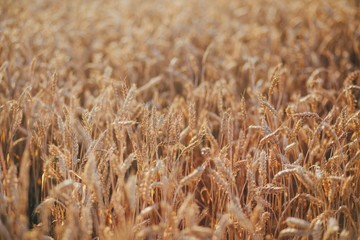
[172, 119]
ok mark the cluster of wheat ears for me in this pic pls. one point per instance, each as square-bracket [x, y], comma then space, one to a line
[174, 119]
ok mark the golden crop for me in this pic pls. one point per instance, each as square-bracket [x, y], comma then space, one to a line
[172, 119]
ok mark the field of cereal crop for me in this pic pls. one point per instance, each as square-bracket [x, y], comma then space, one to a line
[172, 119]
